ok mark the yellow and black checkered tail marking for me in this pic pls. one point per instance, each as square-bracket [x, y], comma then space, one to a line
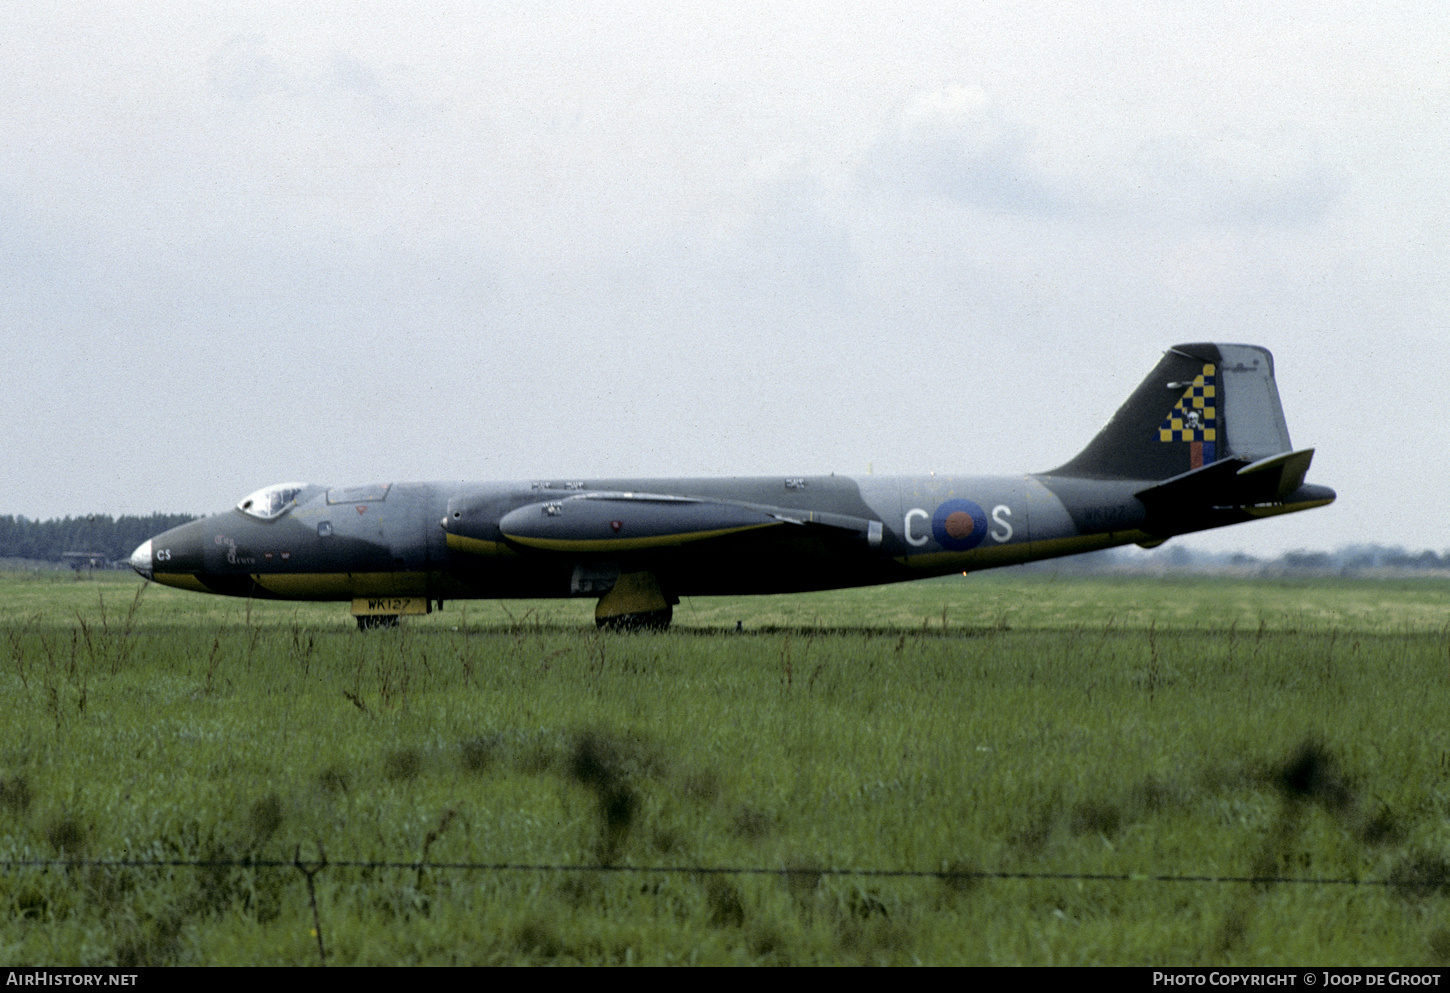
[1194, 418]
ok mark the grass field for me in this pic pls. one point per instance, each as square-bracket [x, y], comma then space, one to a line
[1005, 737]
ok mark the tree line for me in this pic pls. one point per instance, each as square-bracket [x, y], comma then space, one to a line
[1350, 560]
[113, 538]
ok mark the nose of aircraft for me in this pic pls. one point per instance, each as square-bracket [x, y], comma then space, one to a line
[141, 558]
[173, 558]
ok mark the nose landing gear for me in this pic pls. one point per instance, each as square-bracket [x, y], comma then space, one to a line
[370, 622]
[650, 620]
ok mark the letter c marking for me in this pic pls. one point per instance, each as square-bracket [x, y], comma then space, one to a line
[911, 539]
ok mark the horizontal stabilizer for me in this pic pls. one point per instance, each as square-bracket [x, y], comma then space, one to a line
[1233, 482]
[1289, 469]
[1197, 487]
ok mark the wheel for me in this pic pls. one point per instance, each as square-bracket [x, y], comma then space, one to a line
[650, 620]
[367, 622]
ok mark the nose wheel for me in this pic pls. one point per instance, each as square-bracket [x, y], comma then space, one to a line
[369, 622]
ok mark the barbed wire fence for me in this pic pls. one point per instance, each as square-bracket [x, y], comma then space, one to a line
[310, 869]
[706, 870]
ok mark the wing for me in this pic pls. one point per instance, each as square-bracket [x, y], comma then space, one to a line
[612, 523]
[694, 544]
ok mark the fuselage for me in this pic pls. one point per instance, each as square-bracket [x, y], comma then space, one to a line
[444, 541]
[1201, 443]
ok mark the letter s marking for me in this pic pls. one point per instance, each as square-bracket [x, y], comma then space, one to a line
[911, 539]
[999, 512]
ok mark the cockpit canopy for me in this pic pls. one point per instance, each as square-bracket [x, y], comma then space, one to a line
[271, 501]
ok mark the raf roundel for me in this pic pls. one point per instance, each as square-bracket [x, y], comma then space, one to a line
[959, 525]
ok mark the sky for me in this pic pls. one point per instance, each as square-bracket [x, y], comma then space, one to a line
[245, 243]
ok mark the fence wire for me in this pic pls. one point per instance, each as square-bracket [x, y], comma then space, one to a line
[690, 870]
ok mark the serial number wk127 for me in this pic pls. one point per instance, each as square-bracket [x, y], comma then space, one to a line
[390, 605]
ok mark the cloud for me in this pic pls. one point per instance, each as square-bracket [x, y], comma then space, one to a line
[955, 144]
[791, 251]
[1228, 180]
[243, 69]
[952, 143]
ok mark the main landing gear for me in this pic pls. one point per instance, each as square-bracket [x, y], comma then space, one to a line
[636, 603]
[650, 620]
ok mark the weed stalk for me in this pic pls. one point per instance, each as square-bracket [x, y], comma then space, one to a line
[309, 871]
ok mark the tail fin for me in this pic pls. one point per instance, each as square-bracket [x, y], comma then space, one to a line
[1203, 403]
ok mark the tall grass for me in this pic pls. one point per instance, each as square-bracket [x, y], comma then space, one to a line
[1035, 729]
